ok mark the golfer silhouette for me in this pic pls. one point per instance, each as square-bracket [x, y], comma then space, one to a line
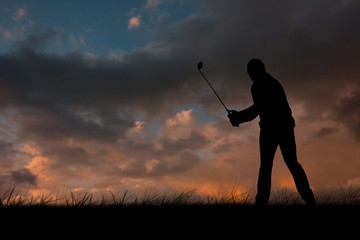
[276, 129]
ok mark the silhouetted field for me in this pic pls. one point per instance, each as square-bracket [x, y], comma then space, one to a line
[344, 199]
[336, 198]
[337, 212]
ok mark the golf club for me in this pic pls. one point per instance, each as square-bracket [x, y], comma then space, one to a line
[199, 66]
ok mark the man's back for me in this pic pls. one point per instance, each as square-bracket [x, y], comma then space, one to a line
[271, 103]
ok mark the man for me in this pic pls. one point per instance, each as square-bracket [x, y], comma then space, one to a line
[276, 129]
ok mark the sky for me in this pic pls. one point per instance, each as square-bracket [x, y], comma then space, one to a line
[105, 96]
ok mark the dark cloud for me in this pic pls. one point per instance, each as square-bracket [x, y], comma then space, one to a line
[184, 162]
[7, 151]
[17, 180]
[62, 123]
[325, 131]
[38, 41]
[23, 176]
[194, 142]
[299, 41]
[165, 158]
[347, 112]
[311, 47]
[68, 156]
[143, 84]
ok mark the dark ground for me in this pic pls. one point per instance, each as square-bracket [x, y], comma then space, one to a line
[331, 220]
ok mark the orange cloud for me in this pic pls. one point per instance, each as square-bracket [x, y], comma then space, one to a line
[134, 22]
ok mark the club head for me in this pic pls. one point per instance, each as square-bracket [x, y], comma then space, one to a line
[200, 65]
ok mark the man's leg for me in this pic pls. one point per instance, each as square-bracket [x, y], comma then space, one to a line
[268, 147]
[288, 150]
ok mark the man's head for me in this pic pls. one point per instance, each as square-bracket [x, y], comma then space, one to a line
[256, 69]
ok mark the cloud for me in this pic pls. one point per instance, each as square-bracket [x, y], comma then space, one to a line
[16, 25]
[20, 13]
[347, 112]
[23, 176]
[38, 41]
[76, 40]
[134, 22]
[322, 132]
[152, 3]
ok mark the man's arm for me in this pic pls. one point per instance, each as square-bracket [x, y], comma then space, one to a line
[246, 115]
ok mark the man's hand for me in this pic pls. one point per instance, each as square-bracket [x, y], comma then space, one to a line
[233, 118]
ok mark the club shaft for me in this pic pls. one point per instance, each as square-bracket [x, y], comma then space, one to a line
[214, 92]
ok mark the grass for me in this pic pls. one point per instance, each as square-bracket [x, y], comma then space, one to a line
[184, 213]
[12, 198]
[285, 198]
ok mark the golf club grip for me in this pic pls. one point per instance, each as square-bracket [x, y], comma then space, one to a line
[230, 113]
